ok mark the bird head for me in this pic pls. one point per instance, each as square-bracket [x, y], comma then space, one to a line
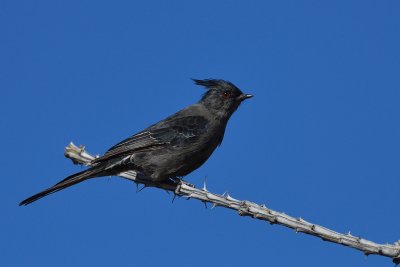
[222, 97]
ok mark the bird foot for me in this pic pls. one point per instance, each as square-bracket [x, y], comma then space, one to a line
[177, 181]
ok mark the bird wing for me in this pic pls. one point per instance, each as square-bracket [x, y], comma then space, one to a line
[173, 131]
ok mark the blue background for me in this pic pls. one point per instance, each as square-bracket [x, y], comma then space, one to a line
[319, 140]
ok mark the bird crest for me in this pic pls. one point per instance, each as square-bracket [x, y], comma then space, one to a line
[213, 83]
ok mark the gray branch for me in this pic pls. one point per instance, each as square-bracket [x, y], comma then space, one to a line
[246, 208]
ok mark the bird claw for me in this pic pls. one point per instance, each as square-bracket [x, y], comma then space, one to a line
[177, 181]
[188, 184]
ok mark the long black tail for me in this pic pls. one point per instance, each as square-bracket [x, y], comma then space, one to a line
[67, 182]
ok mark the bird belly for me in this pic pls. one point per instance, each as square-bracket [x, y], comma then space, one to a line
[160, 165]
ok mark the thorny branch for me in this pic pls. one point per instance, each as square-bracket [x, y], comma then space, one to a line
[246, 208]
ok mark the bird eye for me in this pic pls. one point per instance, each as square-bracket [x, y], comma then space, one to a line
[226, 94]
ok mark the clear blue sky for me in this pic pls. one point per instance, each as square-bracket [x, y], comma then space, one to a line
[319, 140]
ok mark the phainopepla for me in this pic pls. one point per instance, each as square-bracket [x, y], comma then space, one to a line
[171, 148]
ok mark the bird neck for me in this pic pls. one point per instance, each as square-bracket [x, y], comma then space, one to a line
[220, 115]
[215, 108]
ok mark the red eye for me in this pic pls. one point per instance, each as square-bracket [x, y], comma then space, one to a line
[226, 94]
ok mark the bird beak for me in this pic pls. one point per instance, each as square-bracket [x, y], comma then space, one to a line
[244, 96]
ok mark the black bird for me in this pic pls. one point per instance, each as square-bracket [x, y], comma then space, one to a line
[171, 148]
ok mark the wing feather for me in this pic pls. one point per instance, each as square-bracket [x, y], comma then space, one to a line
[174, 131]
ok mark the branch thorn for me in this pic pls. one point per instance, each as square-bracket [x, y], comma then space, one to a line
[173, 199]
[139, 190]
[205, 185]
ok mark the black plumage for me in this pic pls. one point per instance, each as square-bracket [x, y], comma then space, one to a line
[171, 148]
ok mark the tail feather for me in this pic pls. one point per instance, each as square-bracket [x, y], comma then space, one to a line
[67, 182]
